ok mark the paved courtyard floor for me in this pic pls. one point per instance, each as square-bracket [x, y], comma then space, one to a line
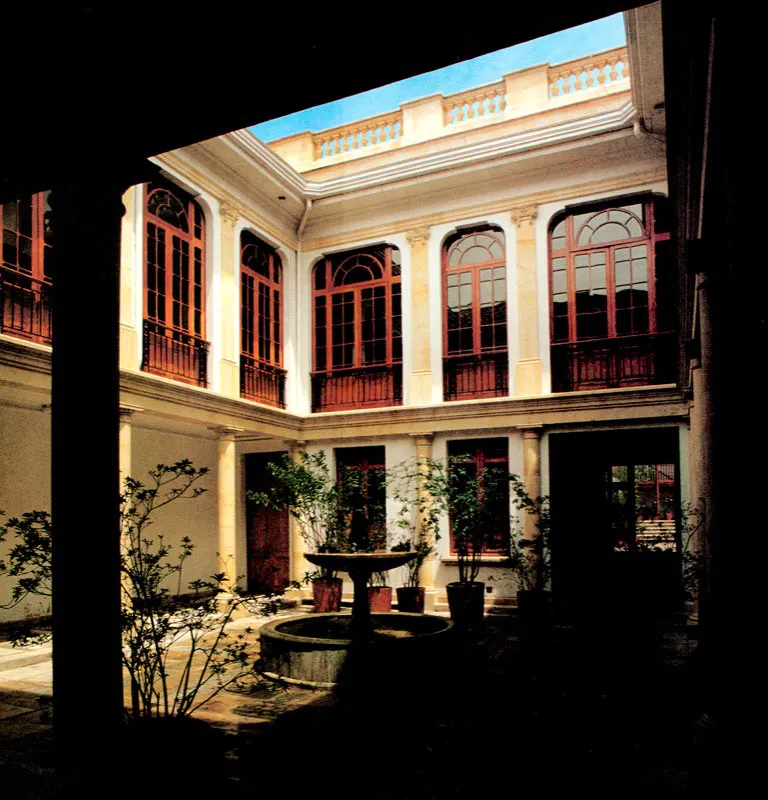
[610, 710]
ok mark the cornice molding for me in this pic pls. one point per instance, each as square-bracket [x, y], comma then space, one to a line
[618, 183]
[25, 355]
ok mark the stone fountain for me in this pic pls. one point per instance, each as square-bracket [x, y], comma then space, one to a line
[315, 649]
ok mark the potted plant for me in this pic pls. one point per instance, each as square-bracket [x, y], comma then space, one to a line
[317, 504]
[410, 596]
[470, 500]
[379, 594]
[529, 555]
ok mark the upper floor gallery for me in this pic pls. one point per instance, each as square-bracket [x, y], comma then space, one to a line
[511, 241]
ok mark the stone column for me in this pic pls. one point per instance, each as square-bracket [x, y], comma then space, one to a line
[299, 565]
[531, 479]
[528, 370]
[227, 504]
[428, 570]
[126, 444]
[420, 391]
[229, 367]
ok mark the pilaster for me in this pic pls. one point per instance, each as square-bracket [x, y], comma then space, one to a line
[528, 373]
[229, 372]
[420, 390]
[428, 571]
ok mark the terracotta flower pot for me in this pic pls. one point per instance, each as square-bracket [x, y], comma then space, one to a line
[465, 601]
[410, 599]
[380, 599]
[326, 593]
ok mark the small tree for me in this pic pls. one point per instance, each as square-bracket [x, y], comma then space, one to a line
[530, 558]
[155, 620]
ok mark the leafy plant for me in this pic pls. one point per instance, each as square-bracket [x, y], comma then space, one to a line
[159, 627]
[530, 558]
[694, 555]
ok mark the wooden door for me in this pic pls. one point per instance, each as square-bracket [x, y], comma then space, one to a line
[267, 531]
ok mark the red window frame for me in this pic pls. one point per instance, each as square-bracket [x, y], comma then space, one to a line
[25, 268]
[174, 286]
[568, 256]
[476, 455]
[354, 292]
[475, 368]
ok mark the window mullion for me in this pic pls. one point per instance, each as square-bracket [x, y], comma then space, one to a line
[610, 284]
[357, 351]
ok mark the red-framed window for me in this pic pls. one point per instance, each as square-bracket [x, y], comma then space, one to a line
[174, 281]
[262, 377]
[360, 471]
[358, 340]
[612, 297]
[486, 461]
[25, 278]
[475, 361]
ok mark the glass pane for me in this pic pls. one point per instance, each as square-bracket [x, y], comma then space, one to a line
[622, 274]
[559, 283]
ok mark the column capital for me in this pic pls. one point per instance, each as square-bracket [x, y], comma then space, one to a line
[523, 215]
[422, 439]
[127, 410]
[226, 432]
[417, 235]
[228, 212]
[531, 431]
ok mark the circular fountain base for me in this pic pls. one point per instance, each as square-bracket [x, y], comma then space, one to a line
[317, 650]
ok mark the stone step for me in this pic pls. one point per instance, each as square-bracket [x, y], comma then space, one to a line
[17, 657]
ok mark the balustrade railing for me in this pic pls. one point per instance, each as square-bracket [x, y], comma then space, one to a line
[588, 73]
[26, 306]
[471, 377]
[367, 387]
[261, 382]
[613, 363]
[485, 101]
[358, 135]
[174, 353]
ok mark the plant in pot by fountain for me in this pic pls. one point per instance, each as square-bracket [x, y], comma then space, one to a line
[379, 593]
[317, 503]
[529, 552]
[471, 499]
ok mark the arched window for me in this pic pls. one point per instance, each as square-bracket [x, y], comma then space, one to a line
[612, 317]
[174, 281]
[261, 331]
[25, 279]
[475, 362]
[357, 330]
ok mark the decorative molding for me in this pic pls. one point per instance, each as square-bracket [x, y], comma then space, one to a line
[127, 410]
[618, 183]
[417, 235]
[229, 213]
[524, 215]
[226, 432]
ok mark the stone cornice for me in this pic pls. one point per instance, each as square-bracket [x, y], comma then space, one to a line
[617, 183]
[25, 355]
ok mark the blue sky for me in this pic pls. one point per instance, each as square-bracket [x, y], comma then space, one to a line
[602, 34]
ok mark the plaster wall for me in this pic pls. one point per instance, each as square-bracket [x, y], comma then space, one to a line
[25, 485]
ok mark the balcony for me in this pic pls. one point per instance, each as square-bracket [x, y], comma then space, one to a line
[472, 377]
[175, 354]
[612, 363]
[263, 383]
[361, 387]
[26, 305]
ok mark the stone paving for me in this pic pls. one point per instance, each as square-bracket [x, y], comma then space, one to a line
[610, 713]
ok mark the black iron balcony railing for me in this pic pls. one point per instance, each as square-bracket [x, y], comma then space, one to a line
[261, 382]
[613, 363]
[175, 354]
[469, 377]
[26, 306]
[361, 387]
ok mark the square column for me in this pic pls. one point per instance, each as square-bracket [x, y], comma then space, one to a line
[420, 387]
[428, 570]
[528, 372]
[299, 566]
[229, 368]
[531, 483]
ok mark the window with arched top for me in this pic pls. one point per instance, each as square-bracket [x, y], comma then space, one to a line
[25, 277]
[261, 313]
[358, 340]
[475, 361]
[612, 291]
[174, 285]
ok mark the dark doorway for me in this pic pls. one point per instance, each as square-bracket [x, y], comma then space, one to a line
[616, 519]
[267, 531]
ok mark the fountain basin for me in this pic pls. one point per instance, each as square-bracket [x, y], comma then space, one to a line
[356, 562]
[317, 650]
